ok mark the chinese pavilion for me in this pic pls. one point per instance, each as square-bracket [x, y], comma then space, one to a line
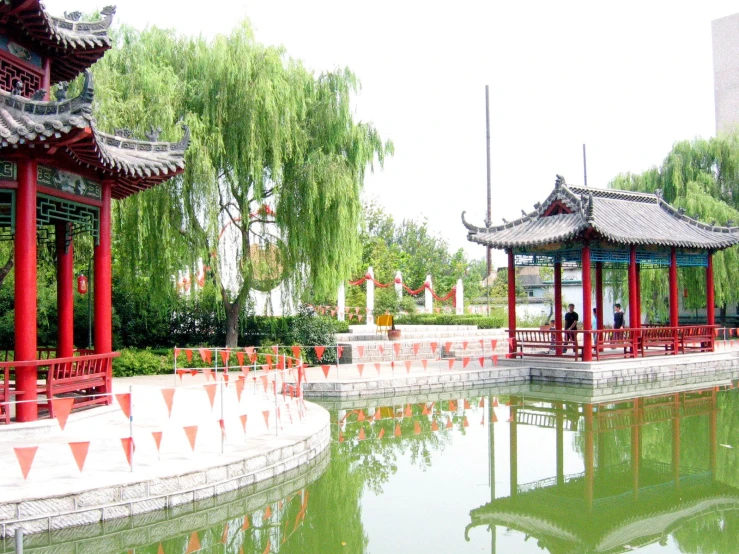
[586, 227]
[58, 175]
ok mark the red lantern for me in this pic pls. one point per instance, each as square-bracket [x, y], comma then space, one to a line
[685, 293]
[82, 284]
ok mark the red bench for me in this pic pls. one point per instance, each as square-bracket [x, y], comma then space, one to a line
[698, 338]
[614, 343]
[545, 343]
[664, 338]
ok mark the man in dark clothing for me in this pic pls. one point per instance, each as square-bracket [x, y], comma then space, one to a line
[618, 318]
[571, 319]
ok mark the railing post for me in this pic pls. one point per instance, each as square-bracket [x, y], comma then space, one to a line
[370, 297]
[341, 302]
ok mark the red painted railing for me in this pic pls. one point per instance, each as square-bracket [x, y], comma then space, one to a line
[614, 343]
[90, 375]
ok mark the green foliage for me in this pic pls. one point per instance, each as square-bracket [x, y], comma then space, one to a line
[496, 320]
[265, 132]
[701, 176]
[140, 362]
[308, 329]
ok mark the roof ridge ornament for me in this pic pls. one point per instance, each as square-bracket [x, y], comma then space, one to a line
[61, 91]
[73, 16]
[469, 226]
[153, 134]
[590, 214]
[559, 181]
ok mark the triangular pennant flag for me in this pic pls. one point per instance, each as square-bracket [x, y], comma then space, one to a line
[351, 316]
[465, 361]
[360, 317]
[360, 415]
[265, 413]
[482, 343]
[448, 346]
[451, 361]
[425, 409]
[408, 365]
[377, 367]
[397, 429]
[467, 405]
[240, 387]
[495, 401]
[356, 309]
[495, 360]
[264, 382]
[25, 455]
[245, 525]
[211, 390]
[482, 421]
[79, 451]
[240, 358]
[225, 378]
[224, 535]
[482, 403]
[438, 310]
[325, 369]
[396, 348]
[193, 544]
[160, 550]
[208, 374]
[319, 352]
[495, 418]
[360, 351]
[465, 344]
[360, 368]
[225, 355]
[449, 422]
[157, 436]
[417, 428]
[192, 434]
[268, 359]
[434, 346]
[289, 363]
[124, 401]
[181, 372]
[204, 354]
[377, 416]
[494, 343]
[188, 355]
[481, 359]
[381, 433]
[408, 411]
[168, 395]
[425, 364]
[339, 352]
[341, 437]
[193, 372]
[242, 418]
[62, 407]
[452, 406]
[245, 371]
[465, 423]
[249, 350]
[434, 426]
[296, 351]
[128, 448]
[275, 348]
[222, 424]
[361, 434]
[416, 348]
[268, 512]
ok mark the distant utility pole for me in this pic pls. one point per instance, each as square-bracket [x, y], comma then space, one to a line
[489, 220]
[584, 165]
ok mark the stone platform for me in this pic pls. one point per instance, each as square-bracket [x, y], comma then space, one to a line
[57, 494]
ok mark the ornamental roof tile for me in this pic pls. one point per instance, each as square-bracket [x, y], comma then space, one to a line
[620, 217]
[72, 44]
[68, 126]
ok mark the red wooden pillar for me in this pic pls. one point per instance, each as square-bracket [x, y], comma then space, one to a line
[511, 301]
[674, 306]
[46, 83]
[514, 447]
[558, 305]
[587, 305]
[589, 457]
[638, 295]
[64, 292]
[633, 299]
[599, 293]
[102, 282]
[25, 288]
[710, 302]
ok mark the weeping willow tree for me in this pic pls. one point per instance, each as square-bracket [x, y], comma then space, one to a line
[275, 167]
[702, 177]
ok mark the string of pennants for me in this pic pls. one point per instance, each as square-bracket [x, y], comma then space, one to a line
[62, 407]
[422, 411]
[412, 292]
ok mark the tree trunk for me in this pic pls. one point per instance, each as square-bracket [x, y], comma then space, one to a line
[232, 323]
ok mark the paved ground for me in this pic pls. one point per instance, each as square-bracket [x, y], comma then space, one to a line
[55, 472]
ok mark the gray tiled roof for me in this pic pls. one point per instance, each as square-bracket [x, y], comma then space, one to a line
[620, 217]
[73, 45]
[67, 129]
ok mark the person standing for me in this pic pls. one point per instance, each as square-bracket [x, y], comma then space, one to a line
[571, 319]
[594, 327]
[618, 317]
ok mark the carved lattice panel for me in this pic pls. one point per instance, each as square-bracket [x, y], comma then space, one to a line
[9, 72]
[84, 219]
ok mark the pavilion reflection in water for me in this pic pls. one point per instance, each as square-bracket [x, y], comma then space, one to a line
[621, 500]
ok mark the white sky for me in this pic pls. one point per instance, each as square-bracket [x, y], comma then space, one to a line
[628, 82]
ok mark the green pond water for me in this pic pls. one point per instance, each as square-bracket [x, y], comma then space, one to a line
[518, 470]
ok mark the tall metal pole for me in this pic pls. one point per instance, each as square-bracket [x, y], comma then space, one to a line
[584, 165]
[489, 220]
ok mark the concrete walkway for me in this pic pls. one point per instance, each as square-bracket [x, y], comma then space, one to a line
[56, 494]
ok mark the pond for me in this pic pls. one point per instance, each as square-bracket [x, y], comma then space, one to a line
[517, 470]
